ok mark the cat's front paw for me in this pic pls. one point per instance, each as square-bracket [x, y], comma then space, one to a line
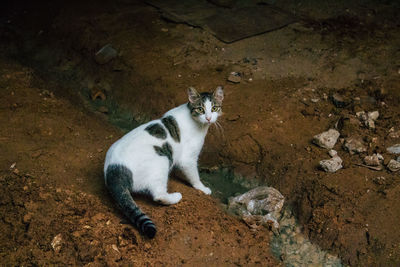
[169, 199]
[206, 190]
[203, 189]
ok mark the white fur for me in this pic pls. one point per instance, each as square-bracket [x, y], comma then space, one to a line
[150, 171]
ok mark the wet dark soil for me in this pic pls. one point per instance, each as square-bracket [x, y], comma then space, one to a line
[60, 111]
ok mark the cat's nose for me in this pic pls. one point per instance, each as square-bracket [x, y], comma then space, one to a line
[208, 119]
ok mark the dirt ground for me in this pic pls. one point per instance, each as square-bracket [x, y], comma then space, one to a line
[60, 111]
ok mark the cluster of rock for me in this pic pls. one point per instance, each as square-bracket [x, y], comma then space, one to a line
[259, 206]
[333, 164]
[262, 206]
[328, 140]
[355, 145]
[295, 249]
[368, 118]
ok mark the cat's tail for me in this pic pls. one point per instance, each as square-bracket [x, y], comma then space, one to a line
[119, 184]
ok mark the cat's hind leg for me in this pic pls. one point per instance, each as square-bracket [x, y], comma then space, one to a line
[158, 187]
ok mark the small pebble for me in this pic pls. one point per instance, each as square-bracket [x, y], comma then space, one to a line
[332, 153]
[56, 243]
[234, 77]
[105, 54]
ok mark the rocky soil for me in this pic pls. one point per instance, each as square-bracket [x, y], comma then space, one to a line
[62, 106]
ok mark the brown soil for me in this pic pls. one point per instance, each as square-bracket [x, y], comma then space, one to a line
[57, 134]
[52, 186]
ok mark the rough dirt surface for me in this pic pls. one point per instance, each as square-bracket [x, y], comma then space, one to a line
[57, 106]
[54, 208]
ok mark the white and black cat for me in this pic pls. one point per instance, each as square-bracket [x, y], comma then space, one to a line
[141, 160]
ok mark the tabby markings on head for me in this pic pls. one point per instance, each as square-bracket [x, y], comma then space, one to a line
[197, 108]
[172, 126]
[165, 150]
[156, 130]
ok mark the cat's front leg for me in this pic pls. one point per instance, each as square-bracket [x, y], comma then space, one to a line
[191, 174]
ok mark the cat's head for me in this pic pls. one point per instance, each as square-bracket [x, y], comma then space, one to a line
[205, 107]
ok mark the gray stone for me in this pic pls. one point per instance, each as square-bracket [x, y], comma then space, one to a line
[354, 145]
[105, 54]
[235, 77]
[339, 100]
[393, 165]
[331, 165]
[327, 139]
[395, 149]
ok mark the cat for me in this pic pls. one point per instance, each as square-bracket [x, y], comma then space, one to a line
[141, 161]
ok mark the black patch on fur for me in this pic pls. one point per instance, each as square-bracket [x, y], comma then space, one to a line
[119, 184]
[173, 128]
[165, 150]
[156, 130]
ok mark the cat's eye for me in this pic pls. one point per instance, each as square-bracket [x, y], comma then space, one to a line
[215, 109]
[200, 110]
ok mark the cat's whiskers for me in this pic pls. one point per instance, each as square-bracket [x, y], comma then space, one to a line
[220, 129]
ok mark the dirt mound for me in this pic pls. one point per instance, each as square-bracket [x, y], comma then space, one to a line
[61, 226]
[54, 208]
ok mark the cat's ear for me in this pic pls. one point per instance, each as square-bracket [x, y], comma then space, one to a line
[219, 94]
[193, 95]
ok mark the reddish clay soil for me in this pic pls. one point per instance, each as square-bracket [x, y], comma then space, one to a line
[55, 189]
[58, 108]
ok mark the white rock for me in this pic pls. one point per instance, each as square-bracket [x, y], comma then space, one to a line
[327, 139]
[393, 165]
[56, 243]
[331, 165]
[373, 115]
[373, 160]
[262, 204]
[332, 153]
